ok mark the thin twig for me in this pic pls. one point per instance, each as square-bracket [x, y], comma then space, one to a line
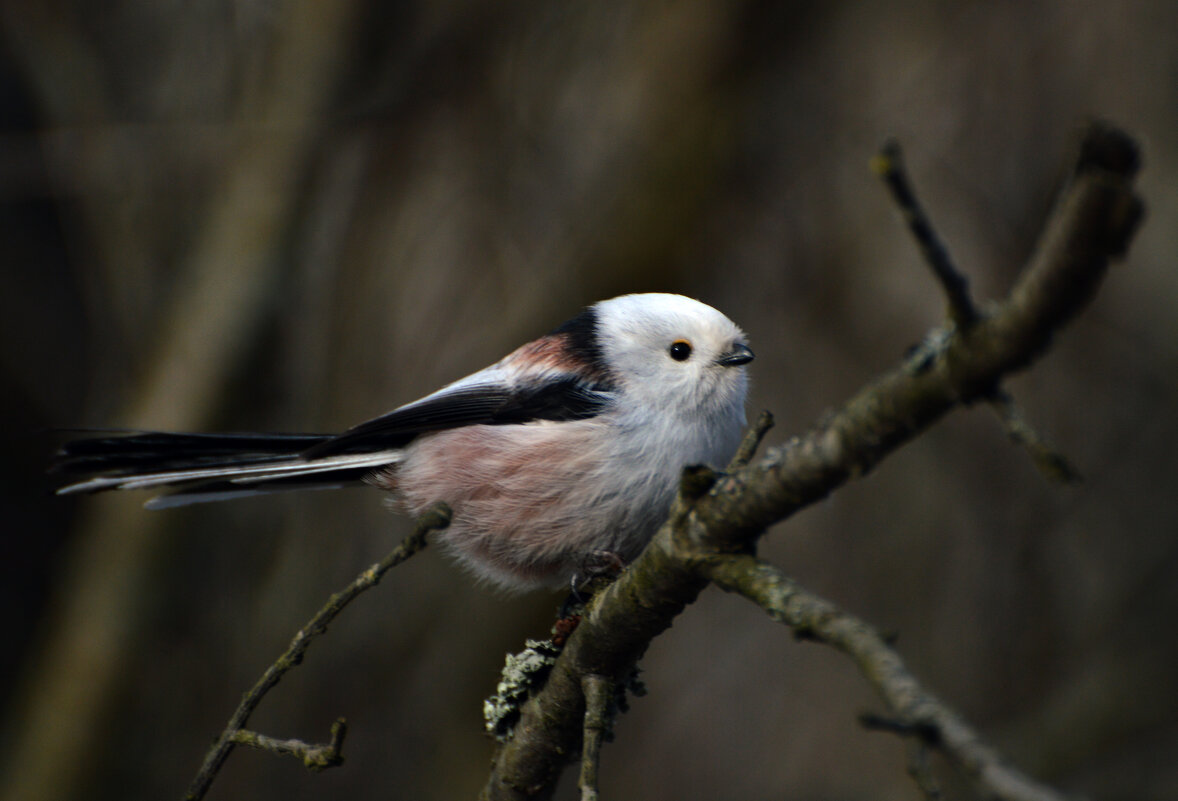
[598, 695]
[916, 710]
[1051, 463]
[921, 772]
[920, 737]
[752, 441]
[436, 518]
[888, 164]
[313, 756]
[905, 728]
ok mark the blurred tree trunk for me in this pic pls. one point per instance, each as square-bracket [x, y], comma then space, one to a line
[216, 300]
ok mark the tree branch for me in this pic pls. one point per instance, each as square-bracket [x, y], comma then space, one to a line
[888, 164]
[434, 519]
[314, 757]
[1093, 221]
[599, 693]
[918, 712]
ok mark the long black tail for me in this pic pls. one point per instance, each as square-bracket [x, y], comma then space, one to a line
[208, 467]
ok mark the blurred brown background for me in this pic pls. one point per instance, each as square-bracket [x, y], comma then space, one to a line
[295, 214]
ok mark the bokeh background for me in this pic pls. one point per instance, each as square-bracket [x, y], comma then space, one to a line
[294, 215]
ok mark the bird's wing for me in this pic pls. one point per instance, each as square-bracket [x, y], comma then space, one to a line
[471, 402]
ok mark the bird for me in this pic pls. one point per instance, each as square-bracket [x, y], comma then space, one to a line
[565, 452]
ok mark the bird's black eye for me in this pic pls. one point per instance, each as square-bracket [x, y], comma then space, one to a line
[680, 350]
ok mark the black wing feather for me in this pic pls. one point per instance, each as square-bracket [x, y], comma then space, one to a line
[565, 399]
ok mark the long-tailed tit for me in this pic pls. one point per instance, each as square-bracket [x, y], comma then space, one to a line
[569, 447]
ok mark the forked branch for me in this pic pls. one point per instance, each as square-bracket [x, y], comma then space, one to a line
[315, 757]
[1093, 222]
[918, 713]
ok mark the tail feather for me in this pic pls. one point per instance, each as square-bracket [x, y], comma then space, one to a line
[204, 467]
[157, 450]
[230, 490]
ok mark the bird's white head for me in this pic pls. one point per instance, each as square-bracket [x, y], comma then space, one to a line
[674, 355]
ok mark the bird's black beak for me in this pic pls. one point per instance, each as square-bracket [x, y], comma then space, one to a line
[740, 354]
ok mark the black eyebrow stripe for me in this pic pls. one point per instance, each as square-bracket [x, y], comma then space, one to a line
[582, 341]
